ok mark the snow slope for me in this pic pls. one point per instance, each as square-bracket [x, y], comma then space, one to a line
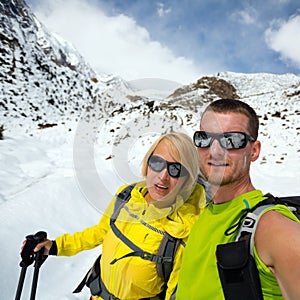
[43, 187]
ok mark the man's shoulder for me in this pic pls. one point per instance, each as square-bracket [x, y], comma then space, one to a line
[275, 229]
[276, 214]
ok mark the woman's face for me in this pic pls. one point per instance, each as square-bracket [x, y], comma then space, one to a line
[160, 184]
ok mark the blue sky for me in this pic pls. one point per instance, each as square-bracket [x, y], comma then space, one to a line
[179, 40]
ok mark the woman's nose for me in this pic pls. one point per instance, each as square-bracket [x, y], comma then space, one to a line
[163, 175]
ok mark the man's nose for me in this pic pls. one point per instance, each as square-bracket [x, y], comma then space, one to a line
[216, 149]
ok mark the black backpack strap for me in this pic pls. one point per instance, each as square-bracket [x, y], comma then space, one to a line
[92, 274]
[137, 251]
[92, 278]
[292, 202]
[248, 226]
[238, 272]
[236, 266]
[167, 248]
[122, 198]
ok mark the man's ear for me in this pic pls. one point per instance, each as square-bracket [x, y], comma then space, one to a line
[255, 151]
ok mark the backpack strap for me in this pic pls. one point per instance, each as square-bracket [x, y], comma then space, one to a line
[137, 251]
[248, 227]
[238, 272]
[292, 202]
[122, 198]
[168, 246]
[235, 261]
[92, 279]
[164, 258]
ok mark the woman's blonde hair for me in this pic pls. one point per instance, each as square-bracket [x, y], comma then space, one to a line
[182, 149]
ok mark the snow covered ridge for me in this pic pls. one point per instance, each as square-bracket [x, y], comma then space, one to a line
[43, 78]
[45, 81]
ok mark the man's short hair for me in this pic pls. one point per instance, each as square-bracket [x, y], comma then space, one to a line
[236, 106]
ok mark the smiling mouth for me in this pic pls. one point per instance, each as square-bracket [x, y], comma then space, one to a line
[161, 186]
[218, 164]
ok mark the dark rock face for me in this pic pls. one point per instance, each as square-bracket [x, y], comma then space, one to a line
[36, 69]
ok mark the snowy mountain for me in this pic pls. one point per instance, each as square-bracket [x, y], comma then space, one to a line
[72, 137]
[43, 78]
[45, 82]
[276, 99]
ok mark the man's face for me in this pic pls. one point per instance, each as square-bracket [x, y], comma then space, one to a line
[219, 166]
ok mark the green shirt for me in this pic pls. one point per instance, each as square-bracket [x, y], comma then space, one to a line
[199, 278]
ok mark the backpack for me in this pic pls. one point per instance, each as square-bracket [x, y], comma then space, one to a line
[163, 259]
[235, 262]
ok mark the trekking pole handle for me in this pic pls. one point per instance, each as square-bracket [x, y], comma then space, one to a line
[28, 256]
[27, 253]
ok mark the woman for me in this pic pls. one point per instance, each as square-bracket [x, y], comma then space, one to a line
[167, 203]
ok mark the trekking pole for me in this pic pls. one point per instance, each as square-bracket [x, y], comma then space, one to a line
[28, 257]
[38, 262]
[21, 283]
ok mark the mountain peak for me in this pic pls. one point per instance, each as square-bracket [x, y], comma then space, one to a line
[14, 8]
[45, 81]
[39, 72]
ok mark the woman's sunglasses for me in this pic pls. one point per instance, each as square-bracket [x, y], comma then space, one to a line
[227, 140]
[175, 169]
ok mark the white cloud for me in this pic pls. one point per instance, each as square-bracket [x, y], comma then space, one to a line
[161, 11]
[246, 16]
[114, 44]
[284, 37]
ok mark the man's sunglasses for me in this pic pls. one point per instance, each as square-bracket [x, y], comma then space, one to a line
[175, 169]
[227, 140]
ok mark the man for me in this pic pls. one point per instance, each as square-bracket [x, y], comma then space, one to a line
[227, 145]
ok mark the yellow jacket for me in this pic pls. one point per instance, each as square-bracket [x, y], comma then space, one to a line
[133, 277]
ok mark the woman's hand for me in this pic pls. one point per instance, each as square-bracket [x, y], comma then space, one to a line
[47, 244]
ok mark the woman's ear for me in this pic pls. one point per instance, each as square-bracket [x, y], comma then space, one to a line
[255, 151]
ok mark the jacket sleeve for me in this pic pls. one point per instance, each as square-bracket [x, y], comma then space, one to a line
[89, 238]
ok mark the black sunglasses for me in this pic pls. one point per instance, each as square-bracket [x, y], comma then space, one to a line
[227, 140]
[175, 169]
